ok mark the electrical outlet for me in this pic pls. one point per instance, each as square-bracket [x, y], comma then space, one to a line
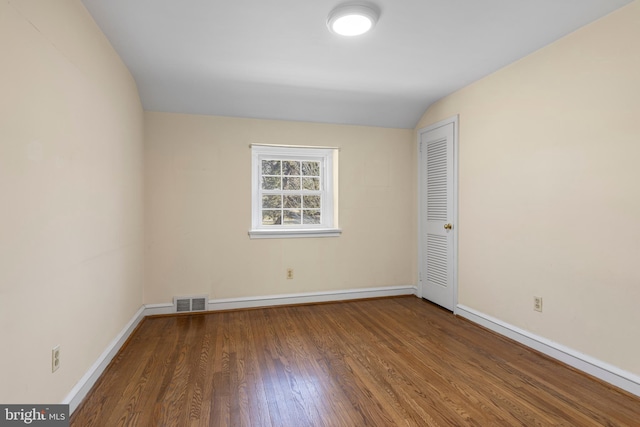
[289, 273]
[55, 358]
[537, 304]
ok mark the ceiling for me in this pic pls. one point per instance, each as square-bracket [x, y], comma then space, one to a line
[275, 59]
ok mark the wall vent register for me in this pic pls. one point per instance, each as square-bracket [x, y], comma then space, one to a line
[190, 303]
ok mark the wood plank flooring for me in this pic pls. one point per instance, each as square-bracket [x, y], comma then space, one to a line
[383, 362]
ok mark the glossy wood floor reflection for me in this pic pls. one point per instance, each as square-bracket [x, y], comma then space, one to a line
[385, 362]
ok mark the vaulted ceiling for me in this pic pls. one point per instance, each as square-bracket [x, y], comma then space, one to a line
[275, 59]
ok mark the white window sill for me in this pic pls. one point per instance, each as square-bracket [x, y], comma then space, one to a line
[294, 233]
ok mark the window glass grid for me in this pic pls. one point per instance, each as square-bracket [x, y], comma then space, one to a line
[291, 192]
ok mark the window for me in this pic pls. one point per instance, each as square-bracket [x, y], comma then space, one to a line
[293, 192]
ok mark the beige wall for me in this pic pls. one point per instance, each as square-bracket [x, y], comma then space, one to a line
[70, 197]
[198, 210]
[550, 190]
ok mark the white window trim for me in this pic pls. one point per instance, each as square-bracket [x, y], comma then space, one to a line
[328, 158]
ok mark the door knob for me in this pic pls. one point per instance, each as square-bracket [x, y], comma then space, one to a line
[448, 226]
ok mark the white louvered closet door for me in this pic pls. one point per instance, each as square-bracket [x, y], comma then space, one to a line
[437, 228]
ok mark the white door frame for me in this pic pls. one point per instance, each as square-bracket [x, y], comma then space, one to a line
[421, 191]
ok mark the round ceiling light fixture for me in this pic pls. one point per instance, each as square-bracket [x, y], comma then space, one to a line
[352, 19]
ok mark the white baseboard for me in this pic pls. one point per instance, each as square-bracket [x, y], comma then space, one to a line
[284, 299]
[79, 392]
[82, 387]
[309, 297]
[597, 368]
[154, 309]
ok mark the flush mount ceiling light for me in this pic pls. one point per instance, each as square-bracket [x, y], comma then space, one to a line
[352, 19]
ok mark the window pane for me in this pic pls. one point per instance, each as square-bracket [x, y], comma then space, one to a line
[291, 183]
[271, 167]
[292, 202]
[289, 167]
[311, 168]
[271, 202]
[292, 216]
[292, 191]
[271, 217]
[311, 202]
[312, 184]
[311, 217]
[271, 182]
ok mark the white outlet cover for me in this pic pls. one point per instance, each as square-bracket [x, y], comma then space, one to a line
[55, 358]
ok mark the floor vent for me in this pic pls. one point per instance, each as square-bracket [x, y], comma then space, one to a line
[192, 303]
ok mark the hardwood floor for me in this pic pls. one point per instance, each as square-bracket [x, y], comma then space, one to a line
[384, 362]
